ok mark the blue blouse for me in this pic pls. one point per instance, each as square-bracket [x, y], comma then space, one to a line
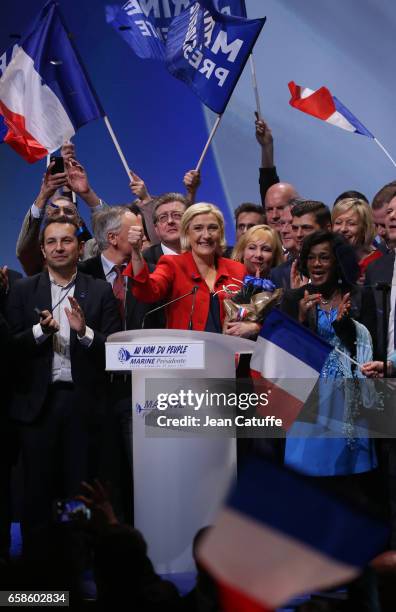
[320, 452]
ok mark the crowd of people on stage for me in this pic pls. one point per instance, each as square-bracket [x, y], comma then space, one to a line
[68, 421]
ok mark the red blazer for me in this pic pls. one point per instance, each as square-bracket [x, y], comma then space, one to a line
[174, 276]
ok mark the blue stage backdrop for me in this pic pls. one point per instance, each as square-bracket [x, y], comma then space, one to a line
[162, 127]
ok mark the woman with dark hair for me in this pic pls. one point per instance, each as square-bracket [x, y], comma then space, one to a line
[330, 306]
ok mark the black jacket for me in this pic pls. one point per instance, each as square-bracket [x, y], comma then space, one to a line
[134, 309]
[33, 362]
[380, 270]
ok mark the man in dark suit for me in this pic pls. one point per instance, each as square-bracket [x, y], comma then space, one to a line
[60, 319]
[8, 438]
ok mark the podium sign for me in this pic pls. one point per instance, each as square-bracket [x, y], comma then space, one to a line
[155, 355]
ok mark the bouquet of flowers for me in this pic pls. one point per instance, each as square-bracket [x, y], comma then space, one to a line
[251, 303]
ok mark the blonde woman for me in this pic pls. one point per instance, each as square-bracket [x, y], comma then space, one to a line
[353, 218]
[260, 249]
[199, 276]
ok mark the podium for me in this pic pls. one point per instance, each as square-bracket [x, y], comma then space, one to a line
[179, 482]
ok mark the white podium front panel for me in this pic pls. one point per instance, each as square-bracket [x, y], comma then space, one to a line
[179, 483]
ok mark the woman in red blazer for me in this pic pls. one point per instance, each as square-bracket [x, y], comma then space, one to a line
[200, 266]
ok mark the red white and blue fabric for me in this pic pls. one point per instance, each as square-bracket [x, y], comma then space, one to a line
[287, 361]
[45, 94]
[279, 536]
[323, 105]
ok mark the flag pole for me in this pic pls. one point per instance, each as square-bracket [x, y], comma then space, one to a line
[211, 136]
[381, 146]
[117, 146]
[255, 86]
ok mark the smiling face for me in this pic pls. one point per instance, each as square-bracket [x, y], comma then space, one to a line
[204, 234]
[258, 256]
[349, 225]
[321, 264]
[61, 248]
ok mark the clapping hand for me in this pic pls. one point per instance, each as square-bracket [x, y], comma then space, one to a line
[344, 307]
[48, 323]
[309, 301]
[76, 317]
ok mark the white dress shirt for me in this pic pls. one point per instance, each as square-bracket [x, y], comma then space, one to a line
[61, 363]
[167, 251]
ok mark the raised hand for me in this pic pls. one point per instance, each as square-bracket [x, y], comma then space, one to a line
[49, 185]
[296, 279]
[135, 237]
[68, 151]
[192, 180]
[138, 187]
[97, 498]
[344, 307]
[76, 317]
[263, 132]
[76, 176]
[309, 301]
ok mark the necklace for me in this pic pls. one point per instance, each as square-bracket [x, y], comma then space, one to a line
[329, 300]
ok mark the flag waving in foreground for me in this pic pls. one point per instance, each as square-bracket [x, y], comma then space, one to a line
[145, 26]
[280, 536]
[288, 359]
[45, 94]
[323, 105]
[208, 51]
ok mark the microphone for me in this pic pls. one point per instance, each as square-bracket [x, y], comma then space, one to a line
[181, 297]
[194, 292]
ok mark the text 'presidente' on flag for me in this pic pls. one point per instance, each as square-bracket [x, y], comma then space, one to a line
[144, 24]
[208, 50]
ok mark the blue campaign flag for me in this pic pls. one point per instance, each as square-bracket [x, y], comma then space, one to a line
[144, 24]
[208, 51]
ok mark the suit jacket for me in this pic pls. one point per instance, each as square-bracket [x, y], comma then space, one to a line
[176, 275]
[380, 271]
[153, 254]
[280, 275]
[34, 361]
[135, 309]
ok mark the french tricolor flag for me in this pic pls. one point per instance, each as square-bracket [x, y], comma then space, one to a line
[323, 105]
[279, 535]
[45, 94]
[287, 360]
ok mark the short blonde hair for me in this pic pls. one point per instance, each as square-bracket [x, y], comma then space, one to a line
[258, 232]
[365, 215]
[201, 209]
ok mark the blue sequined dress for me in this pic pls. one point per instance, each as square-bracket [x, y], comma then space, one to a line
[327, 447]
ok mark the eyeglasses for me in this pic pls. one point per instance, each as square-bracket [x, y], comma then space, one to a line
[62, 210]
[172, 216]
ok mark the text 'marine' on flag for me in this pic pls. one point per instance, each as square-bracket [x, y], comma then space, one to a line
[288, 359]
[208, 51]
[323, 105]
[144, 24]
[280, 535]
[45, 93]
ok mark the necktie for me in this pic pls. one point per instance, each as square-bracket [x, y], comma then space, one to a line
[119, 290]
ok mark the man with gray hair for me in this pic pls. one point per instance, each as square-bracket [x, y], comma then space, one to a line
[110, 227]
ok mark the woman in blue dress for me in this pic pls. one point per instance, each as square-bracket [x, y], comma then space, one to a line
[334, 445]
